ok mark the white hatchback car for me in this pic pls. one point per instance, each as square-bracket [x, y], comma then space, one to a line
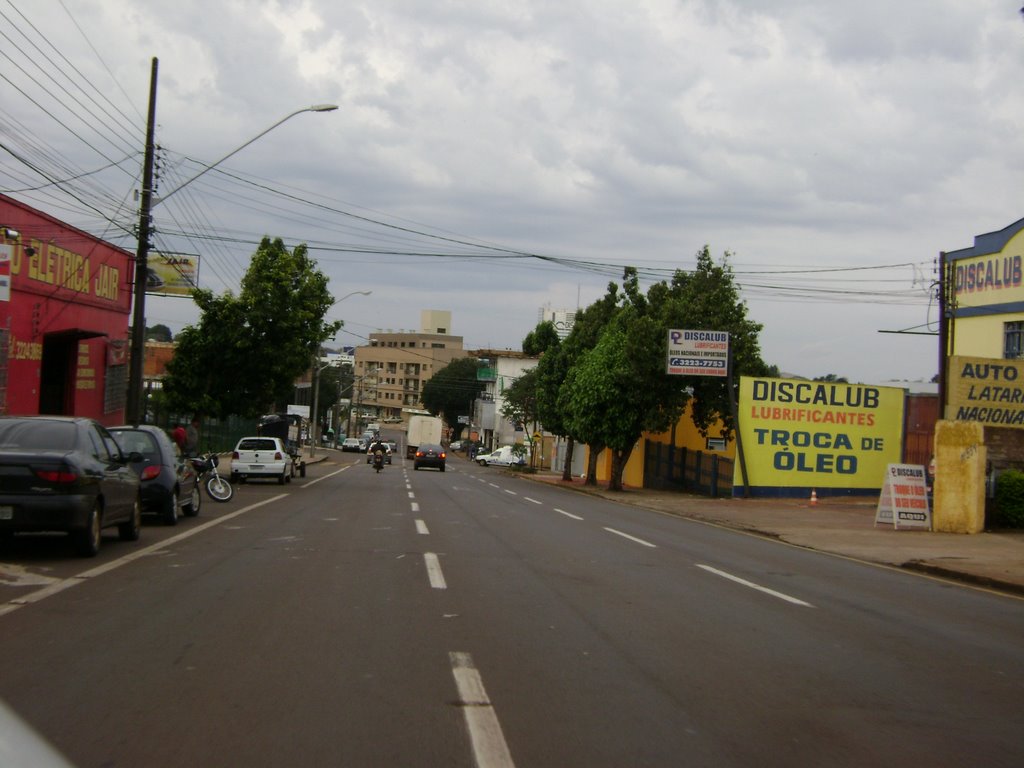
[261, 457]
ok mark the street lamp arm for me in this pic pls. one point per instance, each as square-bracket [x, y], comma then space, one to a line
[232, 153]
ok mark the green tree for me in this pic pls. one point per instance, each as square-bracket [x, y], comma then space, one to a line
[554, 401]
[709, 299]
[832, 378]
[541, 339]
[247, 350]
[451, 391]
[159, 332]
[619, 389]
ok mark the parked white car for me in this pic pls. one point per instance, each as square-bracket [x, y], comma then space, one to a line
[502, 457]
[261, 457]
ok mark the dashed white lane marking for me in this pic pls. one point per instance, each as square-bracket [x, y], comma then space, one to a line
[60, 586]
[412, 495]
[324, 477]
[434, 571]
[511, 493]
[527, 498]
[421, 528]
[567, 514]
[489, 747]
[631, 538]
[752, 585]
[494, 485]
[414, 507]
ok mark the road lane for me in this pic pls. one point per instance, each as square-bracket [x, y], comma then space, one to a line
[309, 630]
[885, 653]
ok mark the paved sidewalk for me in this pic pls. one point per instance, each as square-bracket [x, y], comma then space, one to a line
[843, 527]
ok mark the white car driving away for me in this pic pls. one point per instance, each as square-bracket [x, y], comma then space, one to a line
[261, 457]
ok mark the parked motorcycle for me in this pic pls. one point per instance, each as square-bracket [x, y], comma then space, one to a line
[216, 486]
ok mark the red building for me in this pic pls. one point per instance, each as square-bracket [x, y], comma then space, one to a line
[65, 301]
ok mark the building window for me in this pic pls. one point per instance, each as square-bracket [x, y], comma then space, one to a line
[1013, 340]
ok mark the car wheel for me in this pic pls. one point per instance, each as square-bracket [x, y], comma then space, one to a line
[131, 530]
[195, 500]
[87, 541]
[234, 478]
[282, 478]
[288, 477]
[415, 467]
[170, 514]
[442, 467]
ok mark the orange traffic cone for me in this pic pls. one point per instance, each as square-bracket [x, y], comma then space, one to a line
[814, 498]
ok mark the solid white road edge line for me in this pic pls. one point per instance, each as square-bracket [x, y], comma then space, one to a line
[434, 571]
[632, 538]
[72, 581]
[421, 528]
[489, 747]
[752, 585]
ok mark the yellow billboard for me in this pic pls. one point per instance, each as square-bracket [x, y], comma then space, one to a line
[172, 274]
[989, 391]
[834, 438]
[991, 278]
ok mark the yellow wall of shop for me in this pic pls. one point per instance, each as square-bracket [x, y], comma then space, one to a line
[686, 436]
[981, 336]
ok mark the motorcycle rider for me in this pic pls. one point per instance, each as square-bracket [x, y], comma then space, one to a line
[379, 450]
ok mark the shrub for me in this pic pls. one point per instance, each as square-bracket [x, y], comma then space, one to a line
[1010, 499]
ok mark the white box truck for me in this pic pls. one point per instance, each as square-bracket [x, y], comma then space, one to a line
[421, 429]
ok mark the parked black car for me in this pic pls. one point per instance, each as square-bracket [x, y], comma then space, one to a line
[66, 474]
[170, 485]
[429, 455]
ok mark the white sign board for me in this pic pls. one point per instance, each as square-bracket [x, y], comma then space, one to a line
[698, 353]
[298, 410]
[904, 499]
[5, 273]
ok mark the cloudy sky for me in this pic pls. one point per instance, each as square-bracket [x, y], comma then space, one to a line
[492, 158]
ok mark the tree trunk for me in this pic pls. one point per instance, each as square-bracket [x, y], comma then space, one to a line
[619, 460]
[567, 464]
[595, 451]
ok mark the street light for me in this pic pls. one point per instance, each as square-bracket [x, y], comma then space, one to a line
[134, 411]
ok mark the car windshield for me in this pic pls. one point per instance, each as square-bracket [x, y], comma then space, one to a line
[257, 444]
[136, 440]
[35, 435]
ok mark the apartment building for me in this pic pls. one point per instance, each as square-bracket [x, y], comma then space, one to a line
[391, 370]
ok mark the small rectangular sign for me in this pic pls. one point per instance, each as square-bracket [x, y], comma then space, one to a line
[904, 499]
[698, 353]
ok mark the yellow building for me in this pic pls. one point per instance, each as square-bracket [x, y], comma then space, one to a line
[984, 376]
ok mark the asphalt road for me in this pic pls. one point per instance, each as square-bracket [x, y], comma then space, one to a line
[468, 618]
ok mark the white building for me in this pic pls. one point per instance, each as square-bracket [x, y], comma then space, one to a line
[562, 319]
[499, 368]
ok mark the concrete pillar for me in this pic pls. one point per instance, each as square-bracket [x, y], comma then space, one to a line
[959, 497]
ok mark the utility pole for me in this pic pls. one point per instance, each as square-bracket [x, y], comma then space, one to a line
[134, 409]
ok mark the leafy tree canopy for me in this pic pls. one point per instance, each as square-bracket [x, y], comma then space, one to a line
[159, 332]
[247, 350]
[619, 389]
[451, 391]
